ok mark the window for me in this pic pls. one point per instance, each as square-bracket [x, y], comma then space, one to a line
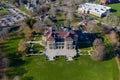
[62, 47]
[51, 46]
[59, 45]
[68, 47]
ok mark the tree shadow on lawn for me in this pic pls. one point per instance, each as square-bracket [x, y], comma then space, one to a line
[113, 10]
[16, 64]
[110, 52]
[15, 38]
[88, 39]
[2, 45]
[27, 78]
[17, 67]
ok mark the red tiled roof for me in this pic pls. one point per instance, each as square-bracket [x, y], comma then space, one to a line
[67, 36]
[50, 39]
[61, 34]
[68, 39]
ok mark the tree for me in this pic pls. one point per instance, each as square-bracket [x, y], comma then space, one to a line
[99, 53]
[39, 26]
[4, 33]
[39, 9]
[70, 16]
[90, 26]
[48, 21]
[26, 30]
[22, 47]
[114, 37]
[117, 49]
[112, 20]
[5, 77]
[105, 29]
[5, 62]
[1, 54]
[97, 42]
[16, 78]
[100, 50]
[59, 1]
[53, 10]
[30, 22]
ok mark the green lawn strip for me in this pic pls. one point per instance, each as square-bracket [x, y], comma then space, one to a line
[116, 9]
[10, 48]
[23, 9]
[38, 48]
[82, 69]
[4, 11]
[85, 50]
[11, 45]
[108, 44]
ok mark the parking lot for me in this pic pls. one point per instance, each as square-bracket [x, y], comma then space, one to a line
[13, 18]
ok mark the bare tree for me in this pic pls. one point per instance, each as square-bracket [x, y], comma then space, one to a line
[112, 20]
[105, 29]
[5, 62]
[5, 77]
[90, 26]
[53, 10]
[22, 47]
[70, 16]
[16, 78]
[4, 33]
[100, 50]
[39, 26]
[39, 9]
[114, 37]
[117, 49]
[26, 30]
[97, 42]
[30, 22]
[99, 53]
[48, 21]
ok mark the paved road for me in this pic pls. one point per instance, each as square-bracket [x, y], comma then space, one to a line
[33, 42]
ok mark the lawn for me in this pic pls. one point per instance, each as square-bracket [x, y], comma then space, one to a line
[38, 68]
[82, 69]
[4, 11]
[116, 8]
[23, 9]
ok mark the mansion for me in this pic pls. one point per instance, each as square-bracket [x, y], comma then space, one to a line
[60, 43]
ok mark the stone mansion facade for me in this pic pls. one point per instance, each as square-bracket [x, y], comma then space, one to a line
[60, 43]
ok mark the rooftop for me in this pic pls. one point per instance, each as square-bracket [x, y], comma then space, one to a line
[59, 36]
[94, 7]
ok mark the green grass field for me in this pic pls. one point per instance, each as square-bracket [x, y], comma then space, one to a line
[82, 69]
[116, 7]
[23, 9]
[4, 11]
[38, 68]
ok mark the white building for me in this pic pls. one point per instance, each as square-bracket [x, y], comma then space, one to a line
[94, 9]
